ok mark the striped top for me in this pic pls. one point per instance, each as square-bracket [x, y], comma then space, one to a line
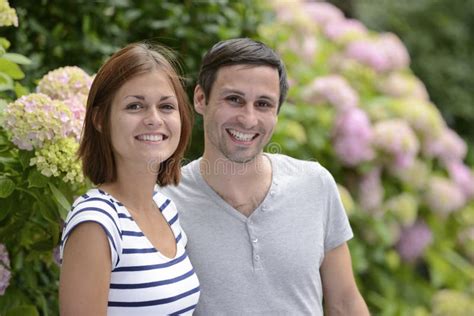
[143, 280]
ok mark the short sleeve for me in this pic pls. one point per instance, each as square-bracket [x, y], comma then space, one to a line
[171, 214]
[98, 210]
[338, 229]
[182, 233]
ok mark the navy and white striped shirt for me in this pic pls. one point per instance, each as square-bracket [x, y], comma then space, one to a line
[143, 280]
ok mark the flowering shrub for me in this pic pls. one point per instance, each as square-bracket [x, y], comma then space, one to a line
[40, 175]
[400, 169]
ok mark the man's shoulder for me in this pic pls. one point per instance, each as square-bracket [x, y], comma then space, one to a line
[293, 166]
[189, 167]
[186, 183]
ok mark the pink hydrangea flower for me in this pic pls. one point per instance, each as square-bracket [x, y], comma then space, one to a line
[305, 47]
[322, 12]
[462, 176]
[394, 50]
[36, 118]
[397, 140]
[352, 136]
[385, 53]
[333, 89]
[368, 53]
[423, 116]
[293, 13]
[443, 196]
[77, 105]
[413, 241]
[65, 82]
[5, 273]
[403, 85]
[343, 28]
[371, 192]
[448, 146]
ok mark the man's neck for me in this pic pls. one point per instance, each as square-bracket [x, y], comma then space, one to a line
[242, 185]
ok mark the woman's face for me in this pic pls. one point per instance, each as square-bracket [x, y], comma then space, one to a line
[145, 123]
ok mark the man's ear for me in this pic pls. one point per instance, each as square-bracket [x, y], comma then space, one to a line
[199, 100]
[95, 119]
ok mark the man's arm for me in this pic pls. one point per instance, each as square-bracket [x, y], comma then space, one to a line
[340, 293]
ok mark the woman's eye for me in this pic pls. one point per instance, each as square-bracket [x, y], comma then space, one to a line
[168, 107]
[134, 106]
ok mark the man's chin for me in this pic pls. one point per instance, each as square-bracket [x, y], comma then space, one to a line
[243, 159]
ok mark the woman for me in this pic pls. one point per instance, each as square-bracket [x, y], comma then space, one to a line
[122, 248]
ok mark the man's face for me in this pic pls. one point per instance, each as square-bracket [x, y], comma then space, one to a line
[241, 112]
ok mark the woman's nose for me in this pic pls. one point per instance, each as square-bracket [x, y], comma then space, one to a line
[153, 118]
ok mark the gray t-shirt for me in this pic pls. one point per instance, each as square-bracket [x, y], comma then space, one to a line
[269, 262]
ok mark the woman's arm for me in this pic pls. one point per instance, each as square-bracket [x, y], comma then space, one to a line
[85, 272]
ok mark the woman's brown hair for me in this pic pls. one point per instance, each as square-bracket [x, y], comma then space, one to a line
[95, 150]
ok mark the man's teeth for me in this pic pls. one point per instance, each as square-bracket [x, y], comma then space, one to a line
[151, 138]
[241, 136]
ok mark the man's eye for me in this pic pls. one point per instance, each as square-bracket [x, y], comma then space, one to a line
[234, 99]
[134, 106]
[264, 104]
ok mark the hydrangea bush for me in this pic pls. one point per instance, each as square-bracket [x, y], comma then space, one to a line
[39, 176]
[356, 107]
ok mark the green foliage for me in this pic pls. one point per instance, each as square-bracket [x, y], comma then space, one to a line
[438, 35]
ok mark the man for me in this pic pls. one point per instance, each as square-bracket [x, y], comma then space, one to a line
[266, 233]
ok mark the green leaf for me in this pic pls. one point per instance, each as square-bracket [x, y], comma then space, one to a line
[44, 245]
[24, 310]
[11, 69]
[37, 180]
[7, 187]
[25, 157]
[20, 90]
[63, 203]
[6, 83]
[17, 58]
[4, 43]
[6, 205]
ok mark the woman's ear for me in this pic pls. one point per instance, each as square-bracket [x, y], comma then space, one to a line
[199, 100]
[95, 119]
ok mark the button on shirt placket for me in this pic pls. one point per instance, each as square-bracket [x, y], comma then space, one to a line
[253, 235]
[254, 243]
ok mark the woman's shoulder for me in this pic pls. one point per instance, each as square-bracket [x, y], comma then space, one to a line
[95, 203]
[96, 198]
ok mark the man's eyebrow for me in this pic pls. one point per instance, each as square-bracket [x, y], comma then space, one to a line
[269, 98]
[234, 91]
[238, 92]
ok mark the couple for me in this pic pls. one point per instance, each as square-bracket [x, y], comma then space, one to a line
[265, 233]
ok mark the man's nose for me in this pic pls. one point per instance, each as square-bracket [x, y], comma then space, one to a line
[248, 116]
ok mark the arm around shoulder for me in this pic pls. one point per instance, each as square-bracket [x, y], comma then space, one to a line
[85, 272]
[340, 292]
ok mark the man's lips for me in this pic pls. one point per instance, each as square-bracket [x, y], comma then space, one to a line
[241, 136]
